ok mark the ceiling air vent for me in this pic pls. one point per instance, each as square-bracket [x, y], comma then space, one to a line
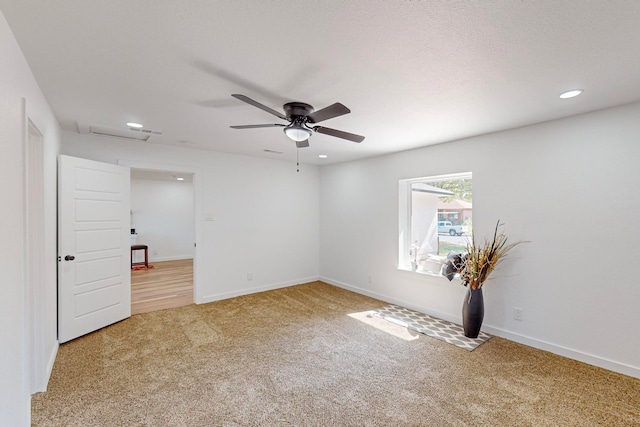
[101, 130]
[146, 131]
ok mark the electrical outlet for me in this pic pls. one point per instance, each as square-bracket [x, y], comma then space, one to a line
[249, 276]
[517, 313]
[369, 279]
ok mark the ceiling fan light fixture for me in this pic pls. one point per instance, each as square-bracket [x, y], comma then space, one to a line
[297, 133]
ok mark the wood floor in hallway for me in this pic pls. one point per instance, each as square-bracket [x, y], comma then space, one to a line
[169, 284]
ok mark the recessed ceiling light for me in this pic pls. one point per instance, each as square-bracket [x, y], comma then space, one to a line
[323, 156]
[134, 125]
[571, 93]
[180, 179]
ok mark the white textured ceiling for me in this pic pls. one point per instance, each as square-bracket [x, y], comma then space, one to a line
[413, 73]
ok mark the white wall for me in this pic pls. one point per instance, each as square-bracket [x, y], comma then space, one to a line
[568, 186]
[17, 83]
[265, 215]
[163, 216]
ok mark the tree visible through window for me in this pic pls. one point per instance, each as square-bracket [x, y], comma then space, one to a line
[436, 218]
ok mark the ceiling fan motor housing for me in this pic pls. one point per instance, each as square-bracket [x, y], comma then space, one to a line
[293, 109]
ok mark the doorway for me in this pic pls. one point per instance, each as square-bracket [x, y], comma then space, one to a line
[197, 208]
[162, 219]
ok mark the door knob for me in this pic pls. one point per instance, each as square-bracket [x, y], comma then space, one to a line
[69, 258]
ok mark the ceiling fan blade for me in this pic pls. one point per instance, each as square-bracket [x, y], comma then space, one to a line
[339, 134]
[260, 106]
[302, 144]
[256, 126]
[329, 112]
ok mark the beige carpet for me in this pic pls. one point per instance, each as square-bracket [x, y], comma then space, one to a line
[293, 357]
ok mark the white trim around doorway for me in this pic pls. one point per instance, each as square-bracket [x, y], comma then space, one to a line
[197, 209]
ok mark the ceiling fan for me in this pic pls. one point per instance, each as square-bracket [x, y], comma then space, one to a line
[300, 116]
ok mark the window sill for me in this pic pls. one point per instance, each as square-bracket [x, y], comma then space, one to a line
[426, 273]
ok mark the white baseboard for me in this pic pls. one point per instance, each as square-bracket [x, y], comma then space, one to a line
[50, 363]
[391, 300]
[580, 356]
[43, 382]
[248, 291]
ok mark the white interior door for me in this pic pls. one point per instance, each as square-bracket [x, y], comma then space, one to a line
[94, 271]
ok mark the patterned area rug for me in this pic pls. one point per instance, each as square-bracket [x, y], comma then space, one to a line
[431, 326]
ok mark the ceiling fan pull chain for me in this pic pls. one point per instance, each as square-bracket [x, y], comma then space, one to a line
[297, 159]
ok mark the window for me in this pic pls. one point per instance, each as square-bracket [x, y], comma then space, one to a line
[435, 219]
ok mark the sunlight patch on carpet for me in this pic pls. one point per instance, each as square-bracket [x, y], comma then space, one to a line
[390, 327]
[431, 326]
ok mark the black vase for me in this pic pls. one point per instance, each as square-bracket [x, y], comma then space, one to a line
[472, 312]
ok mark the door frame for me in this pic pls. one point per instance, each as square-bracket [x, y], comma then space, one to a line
[197, 208]
[35, 263]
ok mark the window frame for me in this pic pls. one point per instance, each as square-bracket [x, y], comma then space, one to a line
[405, 209]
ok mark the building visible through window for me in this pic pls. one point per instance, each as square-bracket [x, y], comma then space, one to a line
[436, 219]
